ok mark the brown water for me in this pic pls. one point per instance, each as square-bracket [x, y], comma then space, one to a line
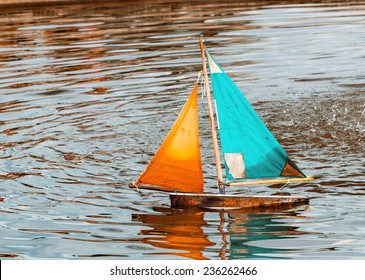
[88, 92]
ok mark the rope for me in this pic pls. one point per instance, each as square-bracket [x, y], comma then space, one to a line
[200, 80]
[133, 184]
[283, 186]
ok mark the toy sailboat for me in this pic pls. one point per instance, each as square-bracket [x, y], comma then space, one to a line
[251, 153]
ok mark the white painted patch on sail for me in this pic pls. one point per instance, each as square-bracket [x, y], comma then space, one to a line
[235, 164]
[214, 68]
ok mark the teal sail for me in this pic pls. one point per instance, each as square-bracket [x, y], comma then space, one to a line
[250, 151]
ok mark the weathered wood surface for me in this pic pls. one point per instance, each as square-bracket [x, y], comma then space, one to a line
[220, 201]
[33, 1]
[42, 2]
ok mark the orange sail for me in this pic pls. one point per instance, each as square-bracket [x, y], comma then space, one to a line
[177, 165]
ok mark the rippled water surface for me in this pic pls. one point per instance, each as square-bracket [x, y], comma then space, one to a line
[88, 92]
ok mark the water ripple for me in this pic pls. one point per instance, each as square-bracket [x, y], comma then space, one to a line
[87, 94]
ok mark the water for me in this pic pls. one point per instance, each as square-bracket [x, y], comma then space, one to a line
[88, 92]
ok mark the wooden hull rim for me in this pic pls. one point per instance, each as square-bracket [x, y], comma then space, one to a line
[224, 201]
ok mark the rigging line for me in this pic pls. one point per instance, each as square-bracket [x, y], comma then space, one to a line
[201, 83]
[200, 73]
[133, 184]
[282, 187]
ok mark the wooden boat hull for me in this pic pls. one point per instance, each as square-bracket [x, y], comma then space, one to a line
[234, 202]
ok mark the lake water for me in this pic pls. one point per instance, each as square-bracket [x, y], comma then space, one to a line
[89, 91]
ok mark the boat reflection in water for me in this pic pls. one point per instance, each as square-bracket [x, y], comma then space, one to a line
[181, 232]
[185, 233]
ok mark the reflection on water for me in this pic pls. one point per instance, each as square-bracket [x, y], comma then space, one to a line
[234, 235]
[189, 233]
[88, 92]
[180, 231]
